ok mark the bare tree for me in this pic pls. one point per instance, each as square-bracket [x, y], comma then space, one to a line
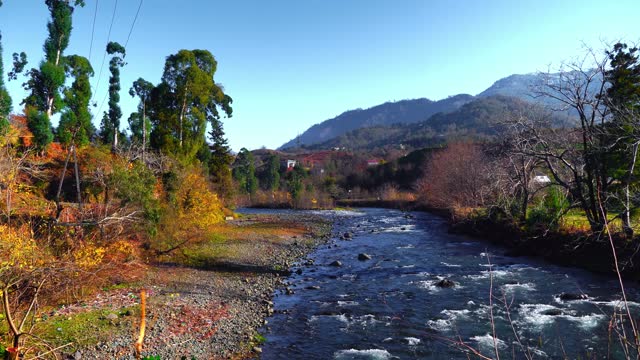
[458, 176]
[576, 158]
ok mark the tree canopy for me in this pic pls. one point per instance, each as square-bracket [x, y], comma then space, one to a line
[185, 100]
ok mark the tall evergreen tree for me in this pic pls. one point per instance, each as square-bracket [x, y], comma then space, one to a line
[273, 172]
[110, 127]
[76, 119]
[220, 160]
[139, 124]
[183, 103]
[244, 171]
[623, 132]
[46, 82]
[5, 99]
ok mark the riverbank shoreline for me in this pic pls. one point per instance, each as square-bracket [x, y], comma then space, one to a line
[207, 313]
[577, 249]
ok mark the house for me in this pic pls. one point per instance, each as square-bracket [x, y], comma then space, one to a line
[374, 162]
[291, 164]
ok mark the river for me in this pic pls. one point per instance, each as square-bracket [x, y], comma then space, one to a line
[390, 307]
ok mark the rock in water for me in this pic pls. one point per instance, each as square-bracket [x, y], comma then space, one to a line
[552, 312]
[570, 297]
[364, 257]
[445, 283]
[336, 263]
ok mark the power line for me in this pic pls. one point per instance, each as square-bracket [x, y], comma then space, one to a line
[125, 47]
[93, 29]
[133, 24]
[113, 16]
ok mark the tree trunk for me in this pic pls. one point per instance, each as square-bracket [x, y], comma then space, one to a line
[144, 129]
[182, 111]
[184, 105]
[50, 98]
[626, 217]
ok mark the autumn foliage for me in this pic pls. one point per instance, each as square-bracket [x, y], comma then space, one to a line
[458, 176]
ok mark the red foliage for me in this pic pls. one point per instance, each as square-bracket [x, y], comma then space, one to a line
[458, 176]
[19, 123]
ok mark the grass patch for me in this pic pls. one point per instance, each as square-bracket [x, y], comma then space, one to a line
[87, 328]
[576, 220]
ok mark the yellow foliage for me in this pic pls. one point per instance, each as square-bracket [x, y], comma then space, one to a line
[89, 256]
[18, 250]
[198, 206]
[121, 250]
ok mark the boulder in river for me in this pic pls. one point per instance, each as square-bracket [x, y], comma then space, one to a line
[347, 235]
[364, 257]
[572, 297]
[552, 312]
[336, 263]
[445, 283]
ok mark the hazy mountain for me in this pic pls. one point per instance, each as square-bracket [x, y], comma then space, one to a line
[375, 122]
[478, 119]
[405, 111]
[520, 86]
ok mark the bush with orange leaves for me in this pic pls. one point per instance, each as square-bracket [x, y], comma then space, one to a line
[459, 176]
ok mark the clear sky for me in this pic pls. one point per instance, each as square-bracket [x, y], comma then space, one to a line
[289, 64]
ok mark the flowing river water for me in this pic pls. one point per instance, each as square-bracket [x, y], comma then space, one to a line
[390, 307]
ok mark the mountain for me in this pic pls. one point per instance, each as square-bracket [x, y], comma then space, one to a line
[375, 122]
[405, 111]
[520, 86]
[478, 119]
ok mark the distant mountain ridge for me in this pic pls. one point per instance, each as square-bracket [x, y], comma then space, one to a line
[519, 86]
[478, 119]
[405, 111]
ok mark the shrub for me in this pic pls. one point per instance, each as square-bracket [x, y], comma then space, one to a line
[548, 212]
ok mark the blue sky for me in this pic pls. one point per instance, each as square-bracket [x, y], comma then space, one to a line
[292, 63]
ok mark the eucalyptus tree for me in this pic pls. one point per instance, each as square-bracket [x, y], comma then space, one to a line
[110, 126]
[46, 82]
[75, 122]
[5, 99]
[185, 100]
[138, 122]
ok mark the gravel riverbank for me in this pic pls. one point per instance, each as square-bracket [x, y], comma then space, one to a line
[212, 313]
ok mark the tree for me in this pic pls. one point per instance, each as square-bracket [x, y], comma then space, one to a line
[110, 127]
[517, 186]
[76, 119]
[244, 171]
[577, 159]
[5, 99]
[623, 131]
[272, 173]
[185, 100]
[139, 124]
[220, 160]
[295, 183]
[457, 176]
[46, 82]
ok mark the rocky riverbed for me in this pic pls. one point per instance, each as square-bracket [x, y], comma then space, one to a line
[211, 313]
